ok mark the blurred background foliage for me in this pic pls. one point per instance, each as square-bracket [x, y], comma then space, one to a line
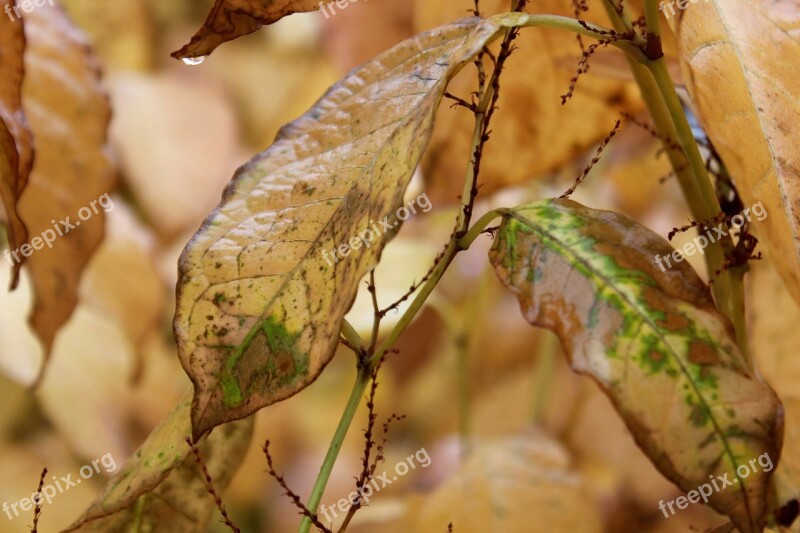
[516, 440]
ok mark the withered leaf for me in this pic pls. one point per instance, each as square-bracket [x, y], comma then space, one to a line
[161, 487]
[740, 66]
[16, 141]
[72, 167]
[231, 19]
[652, 340]
[263, 285]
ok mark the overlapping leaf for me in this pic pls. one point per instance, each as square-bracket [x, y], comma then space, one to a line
[652, 340]
[161, 487]
[230, 19]
[16, 141]
[260, 294]
[740, 63]
[72, 166]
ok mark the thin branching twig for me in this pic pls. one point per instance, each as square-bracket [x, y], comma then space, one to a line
[291, 494]
[593, 162]
[210, 487]
[38, 501]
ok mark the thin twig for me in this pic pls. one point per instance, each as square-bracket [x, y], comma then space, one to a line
[291, 494]
[670, 143]
[38, 501]
[593, 162]
[583, 64]
[377, 316]
[416, 285]
[210, 487]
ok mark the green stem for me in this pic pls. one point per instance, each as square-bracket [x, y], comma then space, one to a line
[362, 380]
[651, 13]
[479, 227]
[728, 292]
[658, 93]
[591, 30]
[635, 55]
[685, 136]
[622, 23]
[351, 335]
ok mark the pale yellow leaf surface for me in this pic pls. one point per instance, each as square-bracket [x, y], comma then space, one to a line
[260, 294]
[162, 476]
[740, 65]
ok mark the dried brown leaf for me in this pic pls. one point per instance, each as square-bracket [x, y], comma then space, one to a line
[230, 19]
[740, 66]
[16, 141]
[68, 113]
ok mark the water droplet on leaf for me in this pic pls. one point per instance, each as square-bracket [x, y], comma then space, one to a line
[194, 60]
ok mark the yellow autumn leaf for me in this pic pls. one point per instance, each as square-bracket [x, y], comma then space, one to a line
[740, 66]
[265, 283]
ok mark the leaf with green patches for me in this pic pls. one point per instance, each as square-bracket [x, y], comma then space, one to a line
[260, 295]
[651, 339]
[163, 477]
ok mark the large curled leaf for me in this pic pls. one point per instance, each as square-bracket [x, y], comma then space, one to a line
[652, 340]
[259, 303]
[161, 487]
[72, 167]
[16, 142]
[740, 65]
[231, 19]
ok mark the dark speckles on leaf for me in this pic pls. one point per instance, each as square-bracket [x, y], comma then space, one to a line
[653, 334]
[701, 353]
[304, 188]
